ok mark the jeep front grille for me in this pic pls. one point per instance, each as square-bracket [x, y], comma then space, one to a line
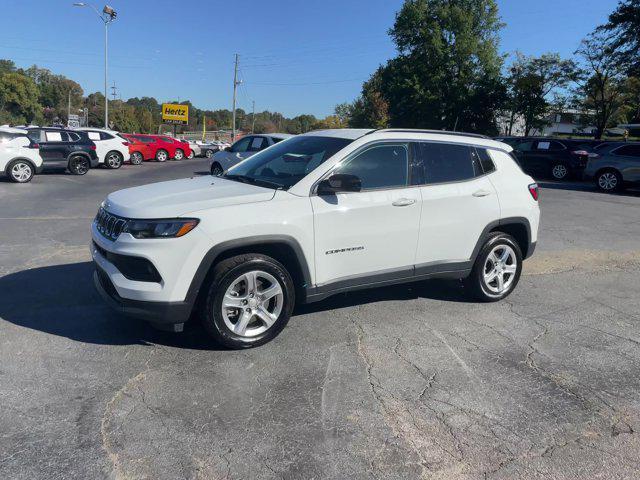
[109, 225]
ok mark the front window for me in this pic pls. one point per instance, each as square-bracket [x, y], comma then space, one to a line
[381, 166]
[285, 164]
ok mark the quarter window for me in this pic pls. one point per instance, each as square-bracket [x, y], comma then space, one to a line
[443, 162]
[485, 160]
[381, 166]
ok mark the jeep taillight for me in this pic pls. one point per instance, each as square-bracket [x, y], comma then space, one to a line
[126, 144]
[34, 145]
[92, 147]
[581, 152]
[533, 190]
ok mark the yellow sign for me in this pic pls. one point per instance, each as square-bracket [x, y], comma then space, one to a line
[175, 113]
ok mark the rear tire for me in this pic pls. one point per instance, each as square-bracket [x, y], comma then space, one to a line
[162, 156]
[208, 153]
[191, 155]
[559, 171]
[20, 171]
[248, 302]
[79, 165]
[113, 160]
[497, 269]
[609, 181]
[136, 158]
[179, 155]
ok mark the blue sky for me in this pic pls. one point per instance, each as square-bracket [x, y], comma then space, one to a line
[295, 56]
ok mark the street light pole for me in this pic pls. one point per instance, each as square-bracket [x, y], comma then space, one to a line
[108, 15]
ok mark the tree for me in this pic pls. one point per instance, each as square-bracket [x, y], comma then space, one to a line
[602, 82]
[631, 100]
[623, 29]
[371, 110]
[7, 66]
[447, 73]
[532, 82]
[18, 98]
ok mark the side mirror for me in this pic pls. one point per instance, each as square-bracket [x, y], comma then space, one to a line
[339, 182]
[227, 149]
[517, 152]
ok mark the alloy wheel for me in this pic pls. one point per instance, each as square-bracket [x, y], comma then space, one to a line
[608, 181]
[161, 156]
[500, 269]
[21, 172]
[252, 303]
[179, 155]
[559, 171]
[113, 160]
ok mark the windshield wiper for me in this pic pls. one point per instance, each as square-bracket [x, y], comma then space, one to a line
[255, 181]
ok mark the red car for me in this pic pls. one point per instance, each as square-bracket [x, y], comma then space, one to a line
[139, 150]
[160, 147]
[177, 149]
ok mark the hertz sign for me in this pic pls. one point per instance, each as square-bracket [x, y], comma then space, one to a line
[175, 113]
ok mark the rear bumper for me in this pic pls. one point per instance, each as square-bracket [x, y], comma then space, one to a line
[159, 313]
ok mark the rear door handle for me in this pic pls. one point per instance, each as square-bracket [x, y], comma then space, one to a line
[404, 202]
[481, 193]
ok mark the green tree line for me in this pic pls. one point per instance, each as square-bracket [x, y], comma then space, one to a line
[37, 96]
[448, 74]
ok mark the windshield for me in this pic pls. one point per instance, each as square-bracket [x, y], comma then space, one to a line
[286, 163]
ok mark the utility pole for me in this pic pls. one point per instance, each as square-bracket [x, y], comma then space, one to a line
[107, 15]
[253, 117]
[235, 92]
[69, 108]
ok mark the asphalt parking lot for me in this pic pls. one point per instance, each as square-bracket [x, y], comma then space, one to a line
[405, 382]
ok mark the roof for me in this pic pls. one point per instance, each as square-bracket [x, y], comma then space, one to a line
[95, 129]
[274, 135]
[346, 133]
[13, 130]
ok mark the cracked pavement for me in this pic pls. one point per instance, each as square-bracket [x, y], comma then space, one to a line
[406, 382]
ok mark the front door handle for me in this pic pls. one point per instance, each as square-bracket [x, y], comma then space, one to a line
[404, 202]
[481, 193]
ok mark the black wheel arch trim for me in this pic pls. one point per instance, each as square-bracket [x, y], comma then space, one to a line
[36, 169]
[259, 240]
[502, 222]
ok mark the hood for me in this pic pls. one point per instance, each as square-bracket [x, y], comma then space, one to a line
[179, 197]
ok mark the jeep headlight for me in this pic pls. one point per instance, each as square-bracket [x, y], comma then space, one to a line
[164, 228]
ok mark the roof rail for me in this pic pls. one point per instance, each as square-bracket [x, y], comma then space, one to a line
[437, 132]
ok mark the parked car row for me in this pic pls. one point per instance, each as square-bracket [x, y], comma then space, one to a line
[612, 166]
[27, 151]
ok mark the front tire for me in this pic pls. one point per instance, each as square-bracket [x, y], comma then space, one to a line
[113, 160]
[497, 269]
[136, 158]
[179, 155]
[20, 171]
[208, 153]
[79, 165]
[162, 156]
[216, 169]
[248, 301]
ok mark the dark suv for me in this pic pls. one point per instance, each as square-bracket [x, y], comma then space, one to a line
[70, 149]
[559, 159]
[615, 165]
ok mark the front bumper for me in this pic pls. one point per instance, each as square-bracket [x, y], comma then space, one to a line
[159, 313]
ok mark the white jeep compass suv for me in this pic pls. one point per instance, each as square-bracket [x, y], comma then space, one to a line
[317, 214]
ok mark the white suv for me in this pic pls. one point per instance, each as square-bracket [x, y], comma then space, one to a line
[317, 214]
[19, 156]
[111, 148]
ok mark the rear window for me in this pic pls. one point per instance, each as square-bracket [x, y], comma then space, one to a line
[628, 151]
[94, 135]
[6, 137]
[444, 162]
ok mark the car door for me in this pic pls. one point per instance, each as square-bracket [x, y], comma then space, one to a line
[371, 235]
[458, 202]
[547, 153]
[53, 147]
[628, 159]
[523, 152]
[238, 152]
[101, 145]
